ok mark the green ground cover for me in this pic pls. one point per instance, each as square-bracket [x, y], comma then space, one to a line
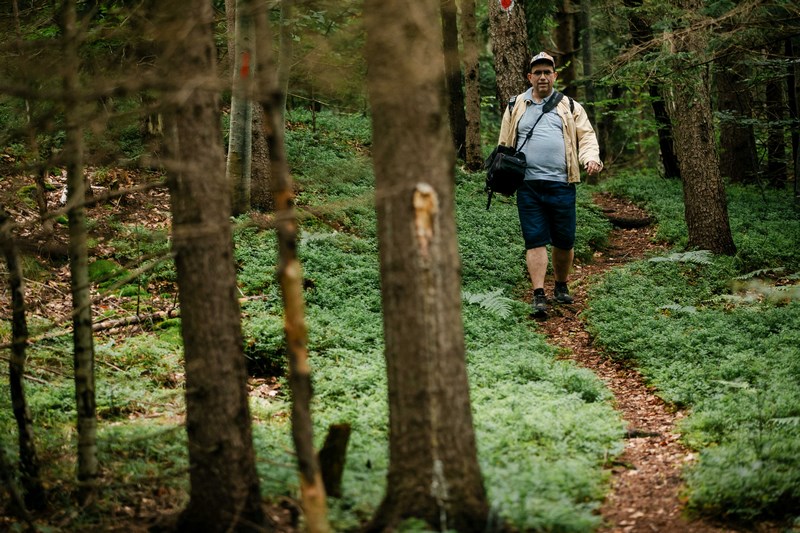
[545, 428]
[720, 337]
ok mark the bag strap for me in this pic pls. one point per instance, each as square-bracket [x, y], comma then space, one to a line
[552, 103]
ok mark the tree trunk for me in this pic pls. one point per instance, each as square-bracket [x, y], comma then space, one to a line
[776, 138]
[642, 32]
[690, 109]
[240, 139]
[261, 186]
[567, 39]
[664, 128]
[285, 51]
[260, 183]
[224, 484]
[588, 63]
[738, 160]
[509, 38]
[290, 276]
[83, 342]
[28, 458]
[433, 469]
[453, 78]
[791, 89]
[586, 57]
[17, 505]
[469, 36]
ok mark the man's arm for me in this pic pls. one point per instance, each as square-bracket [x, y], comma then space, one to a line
[588, 147]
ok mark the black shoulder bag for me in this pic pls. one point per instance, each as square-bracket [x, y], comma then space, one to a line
[505, 167]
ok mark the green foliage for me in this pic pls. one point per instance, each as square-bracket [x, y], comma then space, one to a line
[148, 249]
[544, 428]
[764, 223]
[105, 272]
[722, 347]
[492, 301]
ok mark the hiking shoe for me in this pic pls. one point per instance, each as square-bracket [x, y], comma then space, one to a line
[561, 294]
[539, 304]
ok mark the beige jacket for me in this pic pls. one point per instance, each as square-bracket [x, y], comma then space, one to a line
[580, 140]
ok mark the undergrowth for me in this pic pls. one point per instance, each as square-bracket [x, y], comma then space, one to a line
[721, 337]
[545, 429]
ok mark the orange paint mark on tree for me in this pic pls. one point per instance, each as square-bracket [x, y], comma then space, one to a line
[244, 71]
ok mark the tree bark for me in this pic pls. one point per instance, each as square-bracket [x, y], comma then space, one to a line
[469, 36]
[285, 51]
[738, 159]
[28, 458]
[791, 89]
[83, 342]
[776, 138]
[690, 109]
[567, 39]
[588, 64]
[240, 138]
[433, 470]
[509, 39]
[225, 493]
[290, 276]
[17, 504]
[453, 79]
[261, 181]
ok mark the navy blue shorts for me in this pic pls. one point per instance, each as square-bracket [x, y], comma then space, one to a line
[547, 213]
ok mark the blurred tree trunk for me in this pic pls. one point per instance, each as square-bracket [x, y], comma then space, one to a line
[567, 39]
[83, 341]
[240, 138]
[433, 469]
[469, 36]
[28, 458]
[776, 134]
[225, 493]
[738, 159]
[453, 79]
[704, 197]
[285, 51]
[290, 276]
[261, 186]
[8, 481]
[260, 182]
[509, 39]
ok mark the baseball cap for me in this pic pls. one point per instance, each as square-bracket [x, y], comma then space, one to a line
[543, 57]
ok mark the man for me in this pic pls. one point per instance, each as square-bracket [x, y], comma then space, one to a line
[561, 141]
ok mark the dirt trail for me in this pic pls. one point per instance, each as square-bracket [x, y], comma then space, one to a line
[646, 478]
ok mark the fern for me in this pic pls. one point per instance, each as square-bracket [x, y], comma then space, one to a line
[699, 257]
[789, 421]
[678, 308]
[492, 301]
[760, 272]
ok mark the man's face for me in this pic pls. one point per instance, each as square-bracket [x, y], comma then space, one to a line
[542, 77]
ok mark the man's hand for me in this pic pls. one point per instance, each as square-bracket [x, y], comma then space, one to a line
[593, 167]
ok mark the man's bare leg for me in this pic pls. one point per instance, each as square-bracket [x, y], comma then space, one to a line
[562, 264]
[536, 259]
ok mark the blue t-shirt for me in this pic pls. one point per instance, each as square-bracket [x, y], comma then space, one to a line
[545, 153]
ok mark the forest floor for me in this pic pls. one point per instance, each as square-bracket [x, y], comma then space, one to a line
[647, 483]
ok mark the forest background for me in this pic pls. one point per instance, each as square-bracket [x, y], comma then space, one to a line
[113, 116]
